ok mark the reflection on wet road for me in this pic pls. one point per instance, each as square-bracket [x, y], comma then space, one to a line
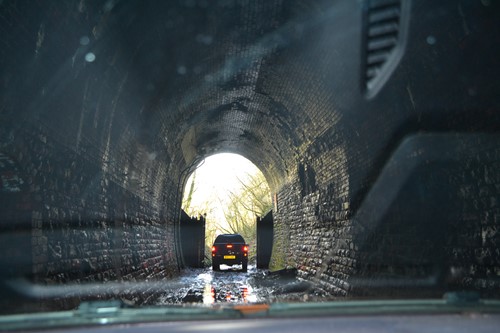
[230, 285]
[208, 287]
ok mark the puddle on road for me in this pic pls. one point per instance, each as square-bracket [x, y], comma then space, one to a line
[228, 295]
[227, 286]
[230, 285]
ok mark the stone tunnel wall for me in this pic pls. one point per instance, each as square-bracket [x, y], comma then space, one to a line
[440, 232]
[100, 199]
[83, 224]
[313, 226]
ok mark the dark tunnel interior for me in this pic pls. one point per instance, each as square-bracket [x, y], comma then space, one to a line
[375, 122]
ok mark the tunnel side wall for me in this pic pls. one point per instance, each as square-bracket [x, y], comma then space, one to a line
[85, 223]
[439, 232]
[102, 195]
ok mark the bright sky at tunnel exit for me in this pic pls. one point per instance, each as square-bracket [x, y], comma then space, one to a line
[216, 177]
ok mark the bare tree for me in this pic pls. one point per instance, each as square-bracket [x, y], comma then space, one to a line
[253, 199]
[188, 196]
[239, 210]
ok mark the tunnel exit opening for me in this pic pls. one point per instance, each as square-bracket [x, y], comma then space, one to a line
[226, 194]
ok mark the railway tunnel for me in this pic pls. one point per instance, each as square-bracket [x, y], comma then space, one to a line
[374, 122]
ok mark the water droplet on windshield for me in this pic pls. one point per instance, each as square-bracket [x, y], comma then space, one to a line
[90, 57]
[84, 40]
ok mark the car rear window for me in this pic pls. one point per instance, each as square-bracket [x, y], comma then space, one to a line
[229, 239]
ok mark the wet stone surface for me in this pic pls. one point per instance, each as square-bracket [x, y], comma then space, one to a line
[230, 285]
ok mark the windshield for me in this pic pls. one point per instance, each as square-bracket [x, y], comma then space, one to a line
[372, 127]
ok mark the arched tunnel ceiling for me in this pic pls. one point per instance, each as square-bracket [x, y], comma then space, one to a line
[279, 82]
[223, 76]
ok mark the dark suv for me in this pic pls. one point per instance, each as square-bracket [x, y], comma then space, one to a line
[229, 249]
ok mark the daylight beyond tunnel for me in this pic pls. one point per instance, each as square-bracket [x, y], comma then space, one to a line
[229, 194]
[374, 123]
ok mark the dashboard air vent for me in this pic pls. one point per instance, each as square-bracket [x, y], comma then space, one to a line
[383, 19]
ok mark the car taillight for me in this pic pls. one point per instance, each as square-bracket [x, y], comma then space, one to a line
[229, 246]
[245, 248]
[214, 248]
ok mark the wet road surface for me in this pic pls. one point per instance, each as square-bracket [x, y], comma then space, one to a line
[230, 285]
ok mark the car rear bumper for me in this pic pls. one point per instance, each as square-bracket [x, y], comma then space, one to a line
[237, 260]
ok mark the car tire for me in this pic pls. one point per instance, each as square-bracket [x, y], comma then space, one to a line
[215, 267]
[244, 267]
